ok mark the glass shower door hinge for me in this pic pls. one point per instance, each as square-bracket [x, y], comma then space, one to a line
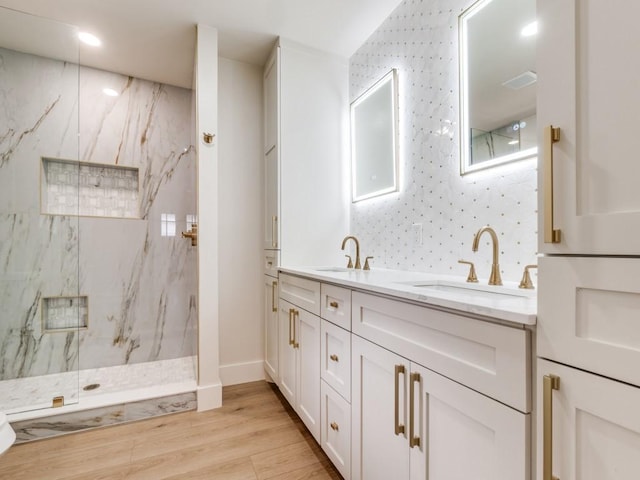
[58, 402]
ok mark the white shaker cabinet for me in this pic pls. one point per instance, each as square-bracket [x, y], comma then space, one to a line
[592, 427]
[299, 363]
[306, 105]
[409, 422]
[271, 327]
[588, 74]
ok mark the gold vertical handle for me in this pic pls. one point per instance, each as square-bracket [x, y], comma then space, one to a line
[290, 327]
[274, 286]
[274, 223]
[413, 440]
[551, 136]
[296, 315]
[398, 428]
[549, 384]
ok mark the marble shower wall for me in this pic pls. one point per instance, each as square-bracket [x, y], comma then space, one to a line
[140, 286]
[420, 39]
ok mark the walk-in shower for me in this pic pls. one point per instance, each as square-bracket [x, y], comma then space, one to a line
[96, 286]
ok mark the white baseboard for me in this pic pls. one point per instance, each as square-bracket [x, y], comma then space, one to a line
[236, 373]
[209, 397]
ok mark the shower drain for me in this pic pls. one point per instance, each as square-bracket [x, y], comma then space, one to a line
[91, 386]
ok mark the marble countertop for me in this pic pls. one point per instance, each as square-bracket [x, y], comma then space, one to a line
[507, 302]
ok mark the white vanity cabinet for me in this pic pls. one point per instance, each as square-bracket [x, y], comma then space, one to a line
[299, 349]
[413, 422]
[271, 327]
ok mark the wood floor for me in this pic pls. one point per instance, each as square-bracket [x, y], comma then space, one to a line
[255, 435]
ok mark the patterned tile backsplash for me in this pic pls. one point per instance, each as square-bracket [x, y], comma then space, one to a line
[420, 39]
[76, 188]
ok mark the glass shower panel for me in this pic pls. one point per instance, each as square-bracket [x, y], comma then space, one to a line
[41, 306]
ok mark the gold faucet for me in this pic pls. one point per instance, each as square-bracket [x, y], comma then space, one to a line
[344, 242]
[494, 278]
[193, 234]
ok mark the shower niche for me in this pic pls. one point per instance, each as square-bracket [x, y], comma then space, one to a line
[62, 314]
[71, 187]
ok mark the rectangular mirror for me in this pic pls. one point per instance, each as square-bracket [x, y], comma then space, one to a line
[374, 140]
[497, 83]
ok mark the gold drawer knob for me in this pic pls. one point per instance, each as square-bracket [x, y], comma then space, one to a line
[334, 426]
[334, 357]
[334, 304]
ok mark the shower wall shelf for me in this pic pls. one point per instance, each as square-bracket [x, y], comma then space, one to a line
[61, 314]
[69, 187]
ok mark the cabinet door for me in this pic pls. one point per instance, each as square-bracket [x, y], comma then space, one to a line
[595, 432]
[379, 449]
[271, 201]
[588, 314]
[271, 102]
[307, 345]
[588, 70]
[271, 327]
[461, 434]
[336, 429]
[336, 358]
[287, 358]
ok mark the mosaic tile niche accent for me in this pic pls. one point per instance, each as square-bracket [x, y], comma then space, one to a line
[430, 223]
[77, 188]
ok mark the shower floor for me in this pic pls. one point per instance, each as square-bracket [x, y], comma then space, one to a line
[32, 397]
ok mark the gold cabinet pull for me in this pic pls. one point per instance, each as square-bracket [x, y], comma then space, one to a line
[414, 441]
[398, 428]
[333, 304]
[334, 357]
[274, 223]
[549, 384]
[274, 286]
[334, 426]
[551, 136]
[296, 315]
[290, 326]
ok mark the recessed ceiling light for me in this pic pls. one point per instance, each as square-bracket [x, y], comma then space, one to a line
[89, 39]
[530, 29]
[110, 91]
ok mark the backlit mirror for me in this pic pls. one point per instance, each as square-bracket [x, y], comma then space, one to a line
[374, 156]
[498, 83]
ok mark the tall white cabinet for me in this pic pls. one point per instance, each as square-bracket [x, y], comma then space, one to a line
[588, 386]
[306, 108]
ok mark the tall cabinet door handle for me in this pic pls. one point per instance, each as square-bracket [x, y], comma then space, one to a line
[291, 321]
[549, 384]
[399, 429]
[274, 228]
[274, 287]
[296, 319]
[414, 441]
[551, 136]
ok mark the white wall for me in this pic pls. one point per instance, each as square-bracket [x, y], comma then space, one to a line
[420, 39]
[240, 217]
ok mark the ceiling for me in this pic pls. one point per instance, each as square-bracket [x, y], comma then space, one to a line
[155, 39]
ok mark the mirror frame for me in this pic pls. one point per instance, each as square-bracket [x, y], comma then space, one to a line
[392, 77]
[465, 128]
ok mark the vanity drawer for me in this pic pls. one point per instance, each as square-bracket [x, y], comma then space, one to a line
[335, 420]
[301, 292]
[335, 346]
[588, 314]
[271, 262]
[489, 358]
[335, 305]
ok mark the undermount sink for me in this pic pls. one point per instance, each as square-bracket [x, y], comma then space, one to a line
[471, 289]
[333, 269]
